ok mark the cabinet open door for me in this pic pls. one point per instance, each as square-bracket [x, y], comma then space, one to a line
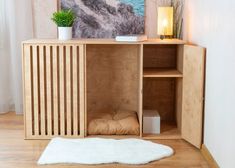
[193, 94]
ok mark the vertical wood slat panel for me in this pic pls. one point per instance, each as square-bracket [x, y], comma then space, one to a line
[62, 91]
[48, 90]
[27, 71]
[55, 91]
[42, 89]
[68, 90]
[52, 98]
[35, 90]
[75, 90]
[82, 110]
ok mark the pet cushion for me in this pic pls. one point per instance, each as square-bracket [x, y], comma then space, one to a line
[121, 122]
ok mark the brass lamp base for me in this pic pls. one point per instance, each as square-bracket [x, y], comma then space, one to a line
[162, 37]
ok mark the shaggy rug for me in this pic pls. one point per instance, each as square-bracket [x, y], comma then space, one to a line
[101, 151]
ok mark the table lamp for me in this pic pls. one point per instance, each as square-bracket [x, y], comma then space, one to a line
[165, 21]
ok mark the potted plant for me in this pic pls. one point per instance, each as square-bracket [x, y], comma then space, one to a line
[64, 19]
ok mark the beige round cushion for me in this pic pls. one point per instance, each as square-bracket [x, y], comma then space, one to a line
[121, 122]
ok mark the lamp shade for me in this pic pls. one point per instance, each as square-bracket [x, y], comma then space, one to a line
[165, 20]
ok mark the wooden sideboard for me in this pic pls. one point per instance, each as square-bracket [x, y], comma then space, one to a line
[65, 80]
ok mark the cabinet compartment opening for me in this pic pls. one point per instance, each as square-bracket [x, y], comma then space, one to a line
[162, 61]
[164, 95]
[162, 90]
[160, 56]
[113, 89]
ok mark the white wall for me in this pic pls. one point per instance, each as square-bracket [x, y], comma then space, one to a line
[42, 13]
[211, 23]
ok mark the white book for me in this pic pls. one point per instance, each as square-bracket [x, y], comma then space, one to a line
[131, 38]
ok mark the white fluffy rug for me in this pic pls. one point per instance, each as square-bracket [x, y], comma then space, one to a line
[100, 151]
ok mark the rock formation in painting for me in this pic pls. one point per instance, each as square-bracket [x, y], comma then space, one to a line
[104, 18]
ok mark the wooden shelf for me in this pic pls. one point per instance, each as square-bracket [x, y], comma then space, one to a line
[161, 73]
[169, 130]
[103, 41]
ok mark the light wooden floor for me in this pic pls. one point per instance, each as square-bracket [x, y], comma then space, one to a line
[15, 152]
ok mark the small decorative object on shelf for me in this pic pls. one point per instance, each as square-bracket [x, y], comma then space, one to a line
[178, 18]
[64, 19]
[165, 21]
[151, 122]
[131, 38]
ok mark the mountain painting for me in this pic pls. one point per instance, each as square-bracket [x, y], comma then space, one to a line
[106, 18]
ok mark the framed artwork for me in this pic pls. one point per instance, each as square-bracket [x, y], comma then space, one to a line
[106, 18]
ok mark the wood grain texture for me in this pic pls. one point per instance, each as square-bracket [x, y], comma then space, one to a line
[69, 90]
[27, 89]
[180, 58]
[112, 77]
[62, 80]
[35, 99]
[20, 153]
[160, 56]
[178, 102]
[159, 94]
[49, 85]
[51, 102]
[85, 92]
[102, 41]
[55, 78]
[193, 94]
[140, 102]
[82, 89]
[75, 86]
[169, 130]
[179, 86]
[42, 96]
[161, 73]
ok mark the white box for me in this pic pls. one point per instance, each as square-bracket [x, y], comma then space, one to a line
[151, 122]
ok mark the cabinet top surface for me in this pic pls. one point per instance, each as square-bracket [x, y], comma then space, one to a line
[102, 41]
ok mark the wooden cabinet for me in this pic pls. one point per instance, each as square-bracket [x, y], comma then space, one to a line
[64, 81]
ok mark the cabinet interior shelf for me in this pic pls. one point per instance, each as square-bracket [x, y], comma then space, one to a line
[161, 72]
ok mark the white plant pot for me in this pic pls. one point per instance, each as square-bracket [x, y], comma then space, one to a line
[65, 33]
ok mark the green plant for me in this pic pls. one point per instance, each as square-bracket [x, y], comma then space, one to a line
[64, 18]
